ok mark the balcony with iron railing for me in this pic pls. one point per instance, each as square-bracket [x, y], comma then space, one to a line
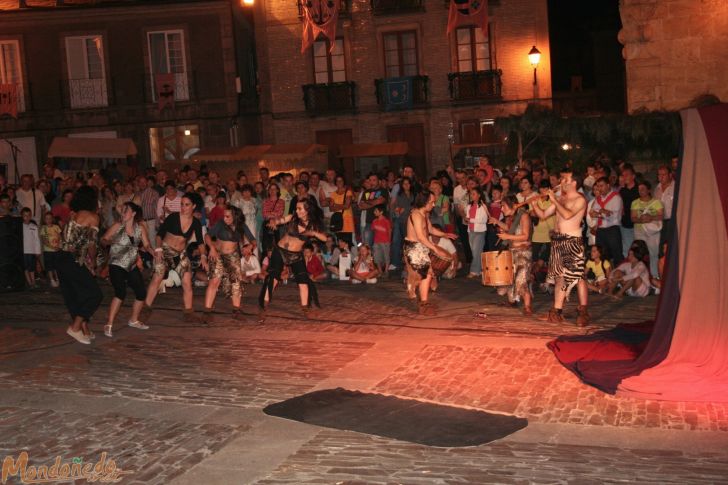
[475, 86]
[87, 93]
[344, 7]
[402, 93]
[321, 99]
[394, 7]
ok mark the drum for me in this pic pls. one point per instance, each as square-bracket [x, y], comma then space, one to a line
[497, 268]
[439, 264]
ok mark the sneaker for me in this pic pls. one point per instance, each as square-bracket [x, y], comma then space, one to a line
[107, 331]
[371, 281]
[79, 336]
[91, 335]
[138, 325]
[54, 283]
[391, 267]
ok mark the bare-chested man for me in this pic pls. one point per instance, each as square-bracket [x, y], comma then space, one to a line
[567, 261]
[417, 247]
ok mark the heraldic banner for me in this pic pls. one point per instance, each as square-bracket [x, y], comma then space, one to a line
[397, 93]
[9, 99]
[319, 17]
[468, 12]
[164, 85]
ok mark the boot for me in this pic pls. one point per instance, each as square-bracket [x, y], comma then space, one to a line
[189, 316]
[582, 316]
[207, 316]
[555, 315]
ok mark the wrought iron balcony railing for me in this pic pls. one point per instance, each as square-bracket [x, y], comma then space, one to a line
[87, 93]
[400, 93]
[474, 86]
[344, 7]
[329, 98]
[393, 7]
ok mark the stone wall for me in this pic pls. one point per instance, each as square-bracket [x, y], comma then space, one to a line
[675, 51]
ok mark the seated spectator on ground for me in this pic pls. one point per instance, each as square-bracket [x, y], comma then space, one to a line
[314, 266]
[250, 264]
[597, 270]
[633, 276]
[364, 270]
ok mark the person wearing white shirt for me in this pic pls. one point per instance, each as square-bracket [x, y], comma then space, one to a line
[249, 263]
[31, 246]
[32, 198]
[461, 198]
[633, 275]
[665, 193]
[607, 210]
[169, 202]
[476, 217]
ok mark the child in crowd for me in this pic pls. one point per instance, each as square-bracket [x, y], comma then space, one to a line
[50, 235]
[494, 211]
[342, 249]
[632, 276]
[314, 266]
[31, 246]
[382, 228]
[250, 264]
[218, 211]
[598, 270]
[364, 269]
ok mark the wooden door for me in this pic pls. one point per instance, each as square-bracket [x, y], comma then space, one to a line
[414, 135]
[334, 139]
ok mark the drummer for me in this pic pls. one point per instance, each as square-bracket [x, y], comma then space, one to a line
[517, 236]
[417, 248]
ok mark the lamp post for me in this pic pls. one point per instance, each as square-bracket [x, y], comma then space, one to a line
[534, 56]
[247, 3]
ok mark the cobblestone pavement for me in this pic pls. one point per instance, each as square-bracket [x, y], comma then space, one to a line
[182, 403]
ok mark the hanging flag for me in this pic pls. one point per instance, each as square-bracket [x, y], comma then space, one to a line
[9, 99]
[319, 17]
[397, 93]
[468, 12]
[164, 85]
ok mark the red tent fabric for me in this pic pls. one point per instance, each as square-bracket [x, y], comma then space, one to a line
[686, 357]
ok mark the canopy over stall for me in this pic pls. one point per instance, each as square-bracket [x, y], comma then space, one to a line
[117, 148]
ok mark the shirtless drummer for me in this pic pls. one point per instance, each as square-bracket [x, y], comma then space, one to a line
[567, 260]
[417, 248]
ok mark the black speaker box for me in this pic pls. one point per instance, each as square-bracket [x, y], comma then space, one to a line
[12, 277]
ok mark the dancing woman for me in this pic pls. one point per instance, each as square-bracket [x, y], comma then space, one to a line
[304, 223]
[75, 263]
[224, 241]
[173, 237]
[124, 239]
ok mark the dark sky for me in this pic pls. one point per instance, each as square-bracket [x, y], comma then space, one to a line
[583, 36]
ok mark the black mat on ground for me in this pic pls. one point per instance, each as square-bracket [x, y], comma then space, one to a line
[401, 419]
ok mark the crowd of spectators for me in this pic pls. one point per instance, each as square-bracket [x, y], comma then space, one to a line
[626, 227]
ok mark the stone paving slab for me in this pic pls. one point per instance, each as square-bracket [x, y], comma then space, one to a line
[153, 451]
[229, 372]
[531, 383]
[347, 458]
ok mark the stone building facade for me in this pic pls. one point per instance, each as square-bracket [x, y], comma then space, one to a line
[459, 84]
[675, 51]
[87, 69]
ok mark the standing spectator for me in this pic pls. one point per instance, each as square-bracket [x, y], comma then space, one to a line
[328, 187]
[340, 203]
[287, 191]
[526, 186]
[460, 199]
[31, 246]
[5, 205]
[608, 212]
[476, 217]
[301, 194]
[169, 203]
[314, 188]
[249, 207]
[161, 180]
[148, 198]
[401, 211]
[264, 177]
[629, 193]
[494, 209]
[62, 210]
[440, 214]
[32, 198]
[665, 193]
[273, 208]
[127, 196]
[541, 237]
[647, 213]
[382, 228]
[217, 212]
[372, 196]
[107, 206]
[50, 235]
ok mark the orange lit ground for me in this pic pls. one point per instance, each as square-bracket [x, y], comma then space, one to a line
[182, 404]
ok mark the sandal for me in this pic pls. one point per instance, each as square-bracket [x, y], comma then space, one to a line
[107, 331]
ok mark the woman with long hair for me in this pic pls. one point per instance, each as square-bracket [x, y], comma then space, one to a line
[273, 207]
[173, 237]
[401, 207]
[124, 239]
[76, 262]
[303, 224]
[476, 218]
[518, 237]
[340, 202]
[225, 240]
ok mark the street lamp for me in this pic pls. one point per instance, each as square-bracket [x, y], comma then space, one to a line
[534, 56]
[247, 3]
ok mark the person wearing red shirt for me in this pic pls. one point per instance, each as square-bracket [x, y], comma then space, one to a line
[382, 228]
[217, 212]
[314, 266]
